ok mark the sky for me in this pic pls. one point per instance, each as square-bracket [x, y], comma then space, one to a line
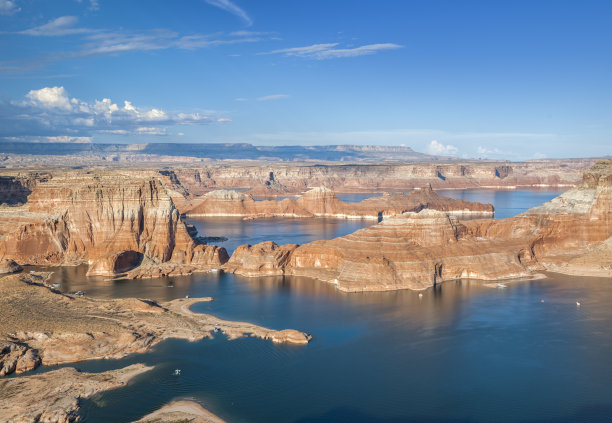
[492, 79]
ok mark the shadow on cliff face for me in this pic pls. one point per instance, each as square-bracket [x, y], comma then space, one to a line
[12, 192]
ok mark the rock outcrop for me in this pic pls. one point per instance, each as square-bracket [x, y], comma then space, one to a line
[265, 258]
[322, 202]
[112, 221]
[9, 266]
[181, 411]
[570, 234]
[53, 397]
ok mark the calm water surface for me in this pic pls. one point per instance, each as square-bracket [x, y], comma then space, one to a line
[461, 353]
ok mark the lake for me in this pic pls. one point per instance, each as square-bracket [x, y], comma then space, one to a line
[461, 353]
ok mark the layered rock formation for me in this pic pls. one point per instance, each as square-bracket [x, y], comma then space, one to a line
[570, 234]
[282, 179]
[113, 221]
[322, 202]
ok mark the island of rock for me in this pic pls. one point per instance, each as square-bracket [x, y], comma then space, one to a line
[323, 202]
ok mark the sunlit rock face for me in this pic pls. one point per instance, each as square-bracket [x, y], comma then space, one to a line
[323, 202]
[570, 234]
[97, 219]
[265, 258]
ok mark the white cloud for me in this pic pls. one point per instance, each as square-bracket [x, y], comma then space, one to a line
[241, 99]
[330, 50]
[494, 152]
[50, 111]
[64, 25]
[273, 97]
[230, 7]
[96, 42]
[51, 97]
[440, 149]
[8, 7]
[63, 138]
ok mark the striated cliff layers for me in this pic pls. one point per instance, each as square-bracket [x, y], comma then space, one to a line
[114, 222]
[281, 179]
[570, 234]
[322, 202]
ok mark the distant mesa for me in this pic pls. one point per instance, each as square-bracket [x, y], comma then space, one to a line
[220, 151]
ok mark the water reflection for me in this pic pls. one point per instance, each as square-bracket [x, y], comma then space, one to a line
[280, 230]
[461, 352]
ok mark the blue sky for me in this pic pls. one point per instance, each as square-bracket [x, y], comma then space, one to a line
[497, 79]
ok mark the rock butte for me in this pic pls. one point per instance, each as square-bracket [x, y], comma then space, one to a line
[570, 234]
[117, 223]
[323, 202]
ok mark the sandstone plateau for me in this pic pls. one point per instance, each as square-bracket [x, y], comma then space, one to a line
[322, 202]
[570, 234]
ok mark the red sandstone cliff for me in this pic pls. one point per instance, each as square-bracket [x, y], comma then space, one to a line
[322, 202]
[114, 222]
[570, 234]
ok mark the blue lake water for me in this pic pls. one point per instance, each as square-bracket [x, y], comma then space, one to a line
[461, 353]
[299, 231]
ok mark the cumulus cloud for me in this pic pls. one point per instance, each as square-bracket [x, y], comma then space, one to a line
[232, 8]
[51, 112]
[331, 51]
[273, 97]
[440, 149]
[8, 7]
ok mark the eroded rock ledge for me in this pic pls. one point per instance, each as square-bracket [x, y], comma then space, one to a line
[571, 234]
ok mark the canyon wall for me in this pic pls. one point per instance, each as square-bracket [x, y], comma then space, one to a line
[322, 202]
[570, 234]
[282, 179]
[113, 221]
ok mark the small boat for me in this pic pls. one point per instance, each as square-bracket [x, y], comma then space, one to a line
[216, 329]
[577, 304]
[57, 285]
[501, 286]
[177, 372]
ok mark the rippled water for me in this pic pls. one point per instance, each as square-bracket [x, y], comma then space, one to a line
[463, 352]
